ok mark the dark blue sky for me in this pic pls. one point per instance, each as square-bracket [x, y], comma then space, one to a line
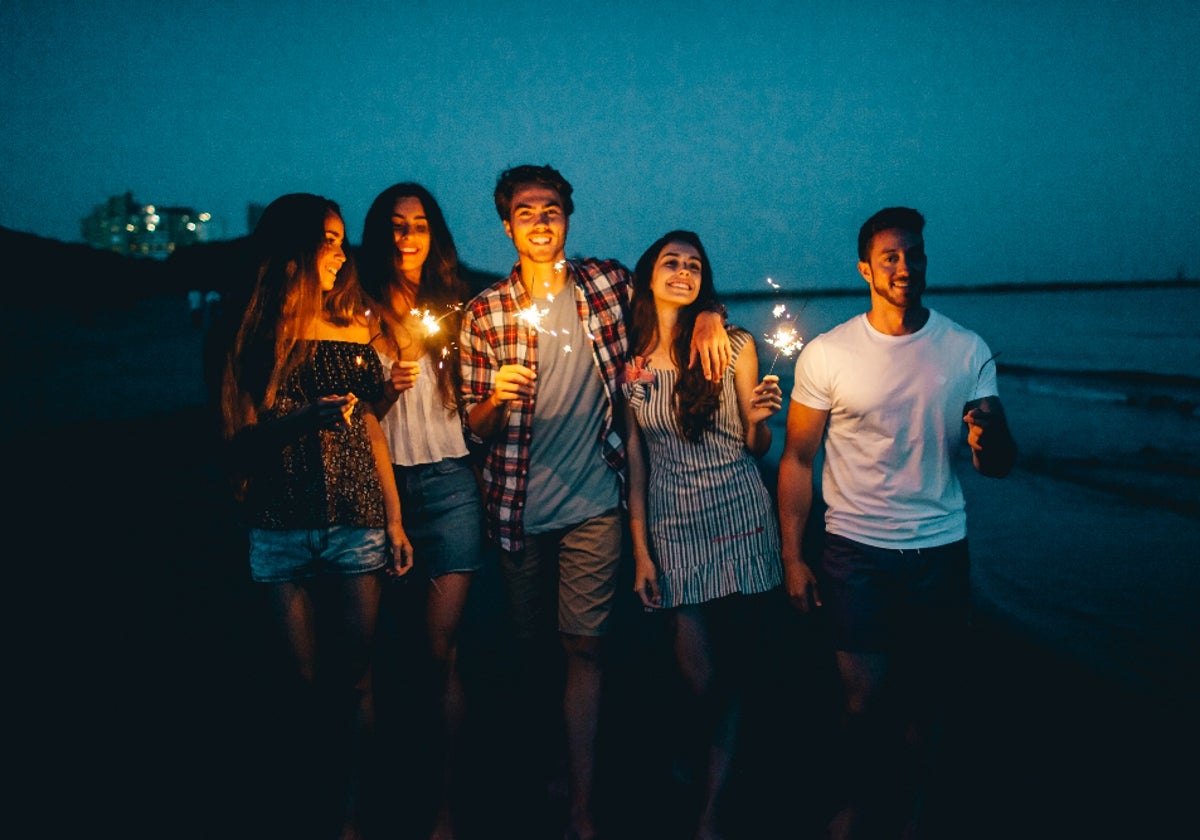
[1043, 140]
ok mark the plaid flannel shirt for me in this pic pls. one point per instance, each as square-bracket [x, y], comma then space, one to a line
[492, 336]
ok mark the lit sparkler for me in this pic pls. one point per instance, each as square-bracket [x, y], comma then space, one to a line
[786, 339]
[427, 319]
[433, 325]
[531, 316]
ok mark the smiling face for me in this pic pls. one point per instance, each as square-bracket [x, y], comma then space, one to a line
[677, 274]
[896, 268]
[410, 231]
[332, 256]
[537, 224]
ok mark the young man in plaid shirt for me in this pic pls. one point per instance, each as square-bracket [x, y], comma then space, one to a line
[542, 355]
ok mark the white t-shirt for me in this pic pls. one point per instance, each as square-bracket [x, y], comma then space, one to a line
[895, 427]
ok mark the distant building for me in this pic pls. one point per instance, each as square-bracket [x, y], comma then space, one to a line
[125, 227]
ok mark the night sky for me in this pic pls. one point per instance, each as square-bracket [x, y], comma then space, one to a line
[1043, 140]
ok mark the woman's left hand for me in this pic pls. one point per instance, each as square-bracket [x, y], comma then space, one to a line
[401, 551]
[768, 399]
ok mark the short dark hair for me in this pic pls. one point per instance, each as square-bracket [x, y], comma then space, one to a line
[889, 218]
[546, 176]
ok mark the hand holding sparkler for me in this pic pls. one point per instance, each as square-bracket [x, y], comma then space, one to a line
[330, 412]
[993, 450]
[767, 399]
[513, 382]
[982, 413]
[402, 376]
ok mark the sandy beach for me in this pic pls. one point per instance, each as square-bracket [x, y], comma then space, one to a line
[145, 704]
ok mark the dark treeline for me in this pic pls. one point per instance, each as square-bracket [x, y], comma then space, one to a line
[85, 280]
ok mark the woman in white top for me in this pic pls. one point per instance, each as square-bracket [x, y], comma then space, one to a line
[409, 266]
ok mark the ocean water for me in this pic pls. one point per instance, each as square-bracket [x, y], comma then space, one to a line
[1102, 386]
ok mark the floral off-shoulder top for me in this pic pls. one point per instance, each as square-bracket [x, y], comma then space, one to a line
[322, 477]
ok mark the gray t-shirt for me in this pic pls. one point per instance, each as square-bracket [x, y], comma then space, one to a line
[569, 480]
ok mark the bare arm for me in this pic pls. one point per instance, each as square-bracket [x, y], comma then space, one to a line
[805, 427]
[401, 548]
[757, 401]
[993, 450]
[327, 412]
[400, 377]
[645, 575]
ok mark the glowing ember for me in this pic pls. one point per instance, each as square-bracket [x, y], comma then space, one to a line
[532, 317]
[786, 338]
[786, 341]
[428, 321]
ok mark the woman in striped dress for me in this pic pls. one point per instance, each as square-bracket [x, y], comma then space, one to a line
[705, 536]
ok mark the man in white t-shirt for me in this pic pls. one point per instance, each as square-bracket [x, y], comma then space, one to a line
[894, 393]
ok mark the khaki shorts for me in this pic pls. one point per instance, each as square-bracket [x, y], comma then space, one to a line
[575, 567]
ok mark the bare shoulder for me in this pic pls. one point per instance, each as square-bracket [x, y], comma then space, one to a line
[358, 331]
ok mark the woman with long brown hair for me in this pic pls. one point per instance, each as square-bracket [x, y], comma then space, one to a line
[314, 478]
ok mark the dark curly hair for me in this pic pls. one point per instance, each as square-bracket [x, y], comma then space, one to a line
[545, 176]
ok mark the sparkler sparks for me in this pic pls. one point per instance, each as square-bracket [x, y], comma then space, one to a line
[428, 320]
[532, 315]
[786, 339]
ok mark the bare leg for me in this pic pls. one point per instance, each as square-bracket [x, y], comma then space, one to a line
[581, 710]
[293, 612]
[444, 610]
[866, 738]
[358, 601]
[292, 604]
[720, 710]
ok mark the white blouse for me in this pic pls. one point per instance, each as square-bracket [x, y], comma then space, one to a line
[419, 428]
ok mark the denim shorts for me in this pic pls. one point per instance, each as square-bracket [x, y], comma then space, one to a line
[573, 567]
[881, 600]
[443, 516]
[280, 556]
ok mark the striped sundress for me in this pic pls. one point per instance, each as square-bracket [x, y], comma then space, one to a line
[712, 525]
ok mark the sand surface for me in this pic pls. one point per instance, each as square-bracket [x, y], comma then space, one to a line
[144, 691]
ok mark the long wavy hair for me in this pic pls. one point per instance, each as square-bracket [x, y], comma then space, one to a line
[441, 290]
[285, 247]
[695, 399]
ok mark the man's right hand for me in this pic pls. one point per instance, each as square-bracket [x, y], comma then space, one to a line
[513, 382]
[801, 585]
